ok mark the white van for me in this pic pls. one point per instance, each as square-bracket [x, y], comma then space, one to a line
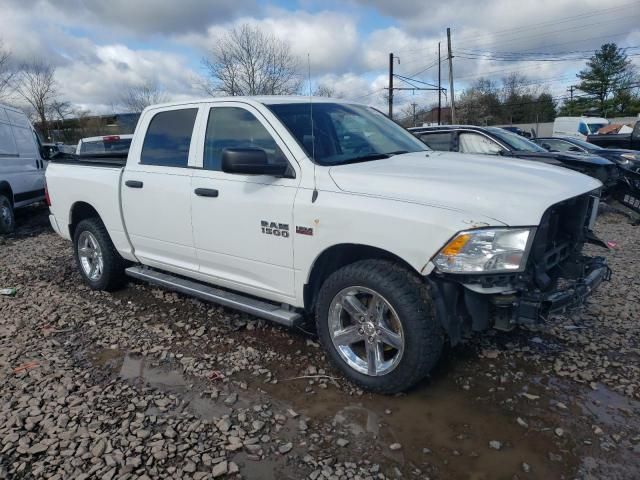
[578, 127]
[21, 166]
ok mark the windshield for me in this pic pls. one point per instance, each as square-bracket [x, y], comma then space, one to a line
[106, 146]
[344, 133]
[515, 141]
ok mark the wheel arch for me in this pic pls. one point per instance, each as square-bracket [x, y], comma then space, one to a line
[338, 256]
[5, 188]
[80, 211]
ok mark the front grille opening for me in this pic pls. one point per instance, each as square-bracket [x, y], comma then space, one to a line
[560, 237]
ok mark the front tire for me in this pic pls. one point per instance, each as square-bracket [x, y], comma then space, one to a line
[376, 321]
[100, 264]
[7, 217]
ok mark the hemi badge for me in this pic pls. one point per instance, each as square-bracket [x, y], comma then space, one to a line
[304, 230]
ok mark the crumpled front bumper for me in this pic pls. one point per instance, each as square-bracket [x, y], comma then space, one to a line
[534, 307]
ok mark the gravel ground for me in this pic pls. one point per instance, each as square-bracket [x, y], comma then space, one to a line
[145, 383]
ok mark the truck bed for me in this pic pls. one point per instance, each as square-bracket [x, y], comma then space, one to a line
[114, 160]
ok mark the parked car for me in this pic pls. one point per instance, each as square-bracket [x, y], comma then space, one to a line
[618, 140]
[51, 149]
[396, 247]
[21, 166]
[497, 141]
[104, 144]
[577, 127]
[622, 157]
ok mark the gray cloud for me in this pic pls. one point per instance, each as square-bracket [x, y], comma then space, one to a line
[162, 17]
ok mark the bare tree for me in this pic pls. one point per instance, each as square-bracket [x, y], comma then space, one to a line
[247, 61]
[60, 110]
[36, 84]
[138, 97]
[324, 90]
[6, 73]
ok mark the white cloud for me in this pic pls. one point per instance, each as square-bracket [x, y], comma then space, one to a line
[98, 86]
[330, 38]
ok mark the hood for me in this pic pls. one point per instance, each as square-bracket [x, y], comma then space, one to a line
[575, 158]
[511, 191]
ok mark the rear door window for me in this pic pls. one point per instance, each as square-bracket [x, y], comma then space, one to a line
[168, 138]
[437, 140]
[558, 145]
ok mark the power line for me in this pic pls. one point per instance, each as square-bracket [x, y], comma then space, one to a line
[548, 23]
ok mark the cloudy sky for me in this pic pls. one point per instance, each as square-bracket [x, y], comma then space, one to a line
[101, 46]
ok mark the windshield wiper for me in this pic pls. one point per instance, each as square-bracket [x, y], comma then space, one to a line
[373, 156]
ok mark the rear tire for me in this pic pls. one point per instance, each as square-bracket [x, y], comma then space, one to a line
[100, 264]
[7, 217]
[377, 322]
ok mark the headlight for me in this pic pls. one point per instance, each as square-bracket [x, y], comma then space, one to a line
[627, 158]
[486, 251]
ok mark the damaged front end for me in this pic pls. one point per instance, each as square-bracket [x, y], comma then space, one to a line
[555, 276]
[628, 189]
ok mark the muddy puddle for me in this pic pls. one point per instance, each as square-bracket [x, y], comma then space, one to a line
[446, 429]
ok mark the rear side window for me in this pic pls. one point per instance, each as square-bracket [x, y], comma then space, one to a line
[7, 145]
[108, 145]
[168, 138]
[233, 127]
[25, 141]
[437, 141]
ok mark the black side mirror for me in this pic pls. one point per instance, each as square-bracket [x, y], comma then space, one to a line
[45, 153]
[546, 146]
[250, 161]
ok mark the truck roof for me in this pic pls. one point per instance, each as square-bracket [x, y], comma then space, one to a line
[261, 99]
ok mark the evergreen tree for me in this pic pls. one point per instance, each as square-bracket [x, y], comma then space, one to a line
[604, 72]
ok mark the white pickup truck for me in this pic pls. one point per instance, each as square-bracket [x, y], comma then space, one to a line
[287, 207]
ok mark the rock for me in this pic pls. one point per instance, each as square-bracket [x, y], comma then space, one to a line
[530, 396]
[559, 432]
[395, 446]
[285, 448]
[342, 442]
[224, 425]
[526, 468]
[99, 448]
[495, 444]
[220, 469]
[522, 422]
[231, 399]
[38, 448]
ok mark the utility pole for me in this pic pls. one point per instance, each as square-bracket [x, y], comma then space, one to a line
[439, 88]
[453, 108]
[391, 85]
[571, 89]
[413, 106]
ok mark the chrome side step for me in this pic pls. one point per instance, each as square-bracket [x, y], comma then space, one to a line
[259, 308]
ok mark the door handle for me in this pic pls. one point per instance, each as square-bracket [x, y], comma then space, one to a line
[206, 192]
[133, 183]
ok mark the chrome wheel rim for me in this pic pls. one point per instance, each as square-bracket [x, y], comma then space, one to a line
[366, 331]
[90, 255]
